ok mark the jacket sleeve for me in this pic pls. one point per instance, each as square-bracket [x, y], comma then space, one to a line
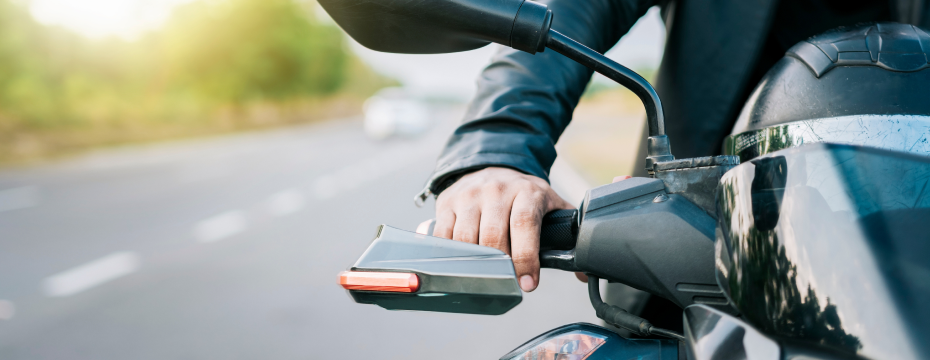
[525, 101]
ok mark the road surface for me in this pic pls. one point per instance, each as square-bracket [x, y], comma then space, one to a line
[228, 248]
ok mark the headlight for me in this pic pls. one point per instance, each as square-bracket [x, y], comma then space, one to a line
[575, 345]
[581, 341]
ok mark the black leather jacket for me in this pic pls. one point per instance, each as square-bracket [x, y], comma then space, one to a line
[524, 101]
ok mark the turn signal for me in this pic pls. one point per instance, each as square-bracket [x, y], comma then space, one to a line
[379, 281]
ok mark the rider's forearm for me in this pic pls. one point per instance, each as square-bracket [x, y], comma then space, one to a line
[525, 101]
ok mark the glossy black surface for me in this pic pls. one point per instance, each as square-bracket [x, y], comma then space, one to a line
[714, 335]
[866, 70]
[827, 245]
[906, 133]
[888, 45]
[441, 26]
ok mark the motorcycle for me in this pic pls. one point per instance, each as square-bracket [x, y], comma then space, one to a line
[808, 239]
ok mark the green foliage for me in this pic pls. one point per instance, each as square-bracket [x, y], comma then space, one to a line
[210, 57]
[239, 50]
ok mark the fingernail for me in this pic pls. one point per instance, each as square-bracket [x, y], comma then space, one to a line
[527, 284]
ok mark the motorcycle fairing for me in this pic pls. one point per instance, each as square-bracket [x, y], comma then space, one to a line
[827, 244]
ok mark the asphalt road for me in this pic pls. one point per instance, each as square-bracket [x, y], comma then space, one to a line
[228, 248]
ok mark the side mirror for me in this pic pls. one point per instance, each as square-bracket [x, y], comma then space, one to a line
[442, 26]
[402, 270]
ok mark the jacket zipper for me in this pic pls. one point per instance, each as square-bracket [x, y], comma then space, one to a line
[420, 199]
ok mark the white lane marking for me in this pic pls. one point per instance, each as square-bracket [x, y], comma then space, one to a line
[221, 226]
[292, 200]
[92, 274]
[286, 202]
[18, 198]
[353, 176]
[7, 309]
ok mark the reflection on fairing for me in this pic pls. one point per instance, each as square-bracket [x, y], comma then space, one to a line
[714, 335]
[907, 133]
[826, 244]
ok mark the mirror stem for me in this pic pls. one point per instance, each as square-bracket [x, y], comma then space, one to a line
[658, 148]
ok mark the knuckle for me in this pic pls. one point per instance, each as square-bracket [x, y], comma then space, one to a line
[472, 192]
[538, 196]
[493, 236]
[527, 185]
[463, 235]
[445, 215]
[494, 186]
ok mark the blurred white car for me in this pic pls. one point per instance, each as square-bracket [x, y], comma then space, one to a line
[394, 112]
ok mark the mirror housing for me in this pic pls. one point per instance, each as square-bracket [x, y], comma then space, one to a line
[433, 274]
[442, 26]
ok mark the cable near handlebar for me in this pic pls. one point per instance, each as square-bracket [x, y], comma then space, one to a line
[617, 316]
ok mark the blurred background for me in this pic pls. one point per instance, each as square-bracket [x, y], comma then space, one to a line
[185, 178]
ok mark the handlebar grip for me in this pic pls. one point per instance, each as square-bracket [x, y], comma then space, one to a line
[559, 230]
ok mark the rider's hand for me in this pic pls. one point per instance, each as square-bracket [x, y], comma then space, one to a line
[500, 208]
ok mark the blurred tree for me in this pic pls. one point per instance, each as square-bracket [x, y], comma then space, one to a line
[212, 67]
[238, 50]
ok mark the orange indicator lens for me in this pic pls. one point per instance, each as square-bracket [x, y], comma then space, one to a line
[379, 281]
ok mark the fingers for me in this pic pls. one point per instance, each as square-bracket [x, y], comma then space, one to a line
[525, 221]
[494, 228]
[499, 208]
[556, 202]
[621, 178]
[581, 276]
[445, 220]
[425, 228]
[466, 225]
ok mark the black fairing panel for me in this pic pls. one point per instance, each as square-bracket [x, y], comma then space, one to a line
[879, 69]
[828, 245]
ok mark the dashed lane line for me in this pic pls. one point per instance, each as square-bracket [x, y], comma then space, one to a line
[221, 226]
[292, 200]
[285, 202]
[91, 274]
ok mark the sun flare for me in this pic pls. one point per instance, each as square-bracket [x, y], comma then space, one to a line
[103, 18]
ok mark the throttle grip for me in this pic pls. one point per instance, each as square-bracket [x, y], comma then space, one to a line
[559, 230]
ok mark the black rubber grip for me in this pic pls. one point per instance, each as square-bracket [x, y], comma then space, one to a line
[559, 230]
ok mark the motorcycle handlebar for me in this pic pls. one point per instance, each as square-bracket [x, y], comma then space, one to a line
[557, 238]
[559, 230]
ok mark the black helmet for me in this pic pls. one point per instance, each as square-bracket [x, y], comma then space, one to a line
[850, 85]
